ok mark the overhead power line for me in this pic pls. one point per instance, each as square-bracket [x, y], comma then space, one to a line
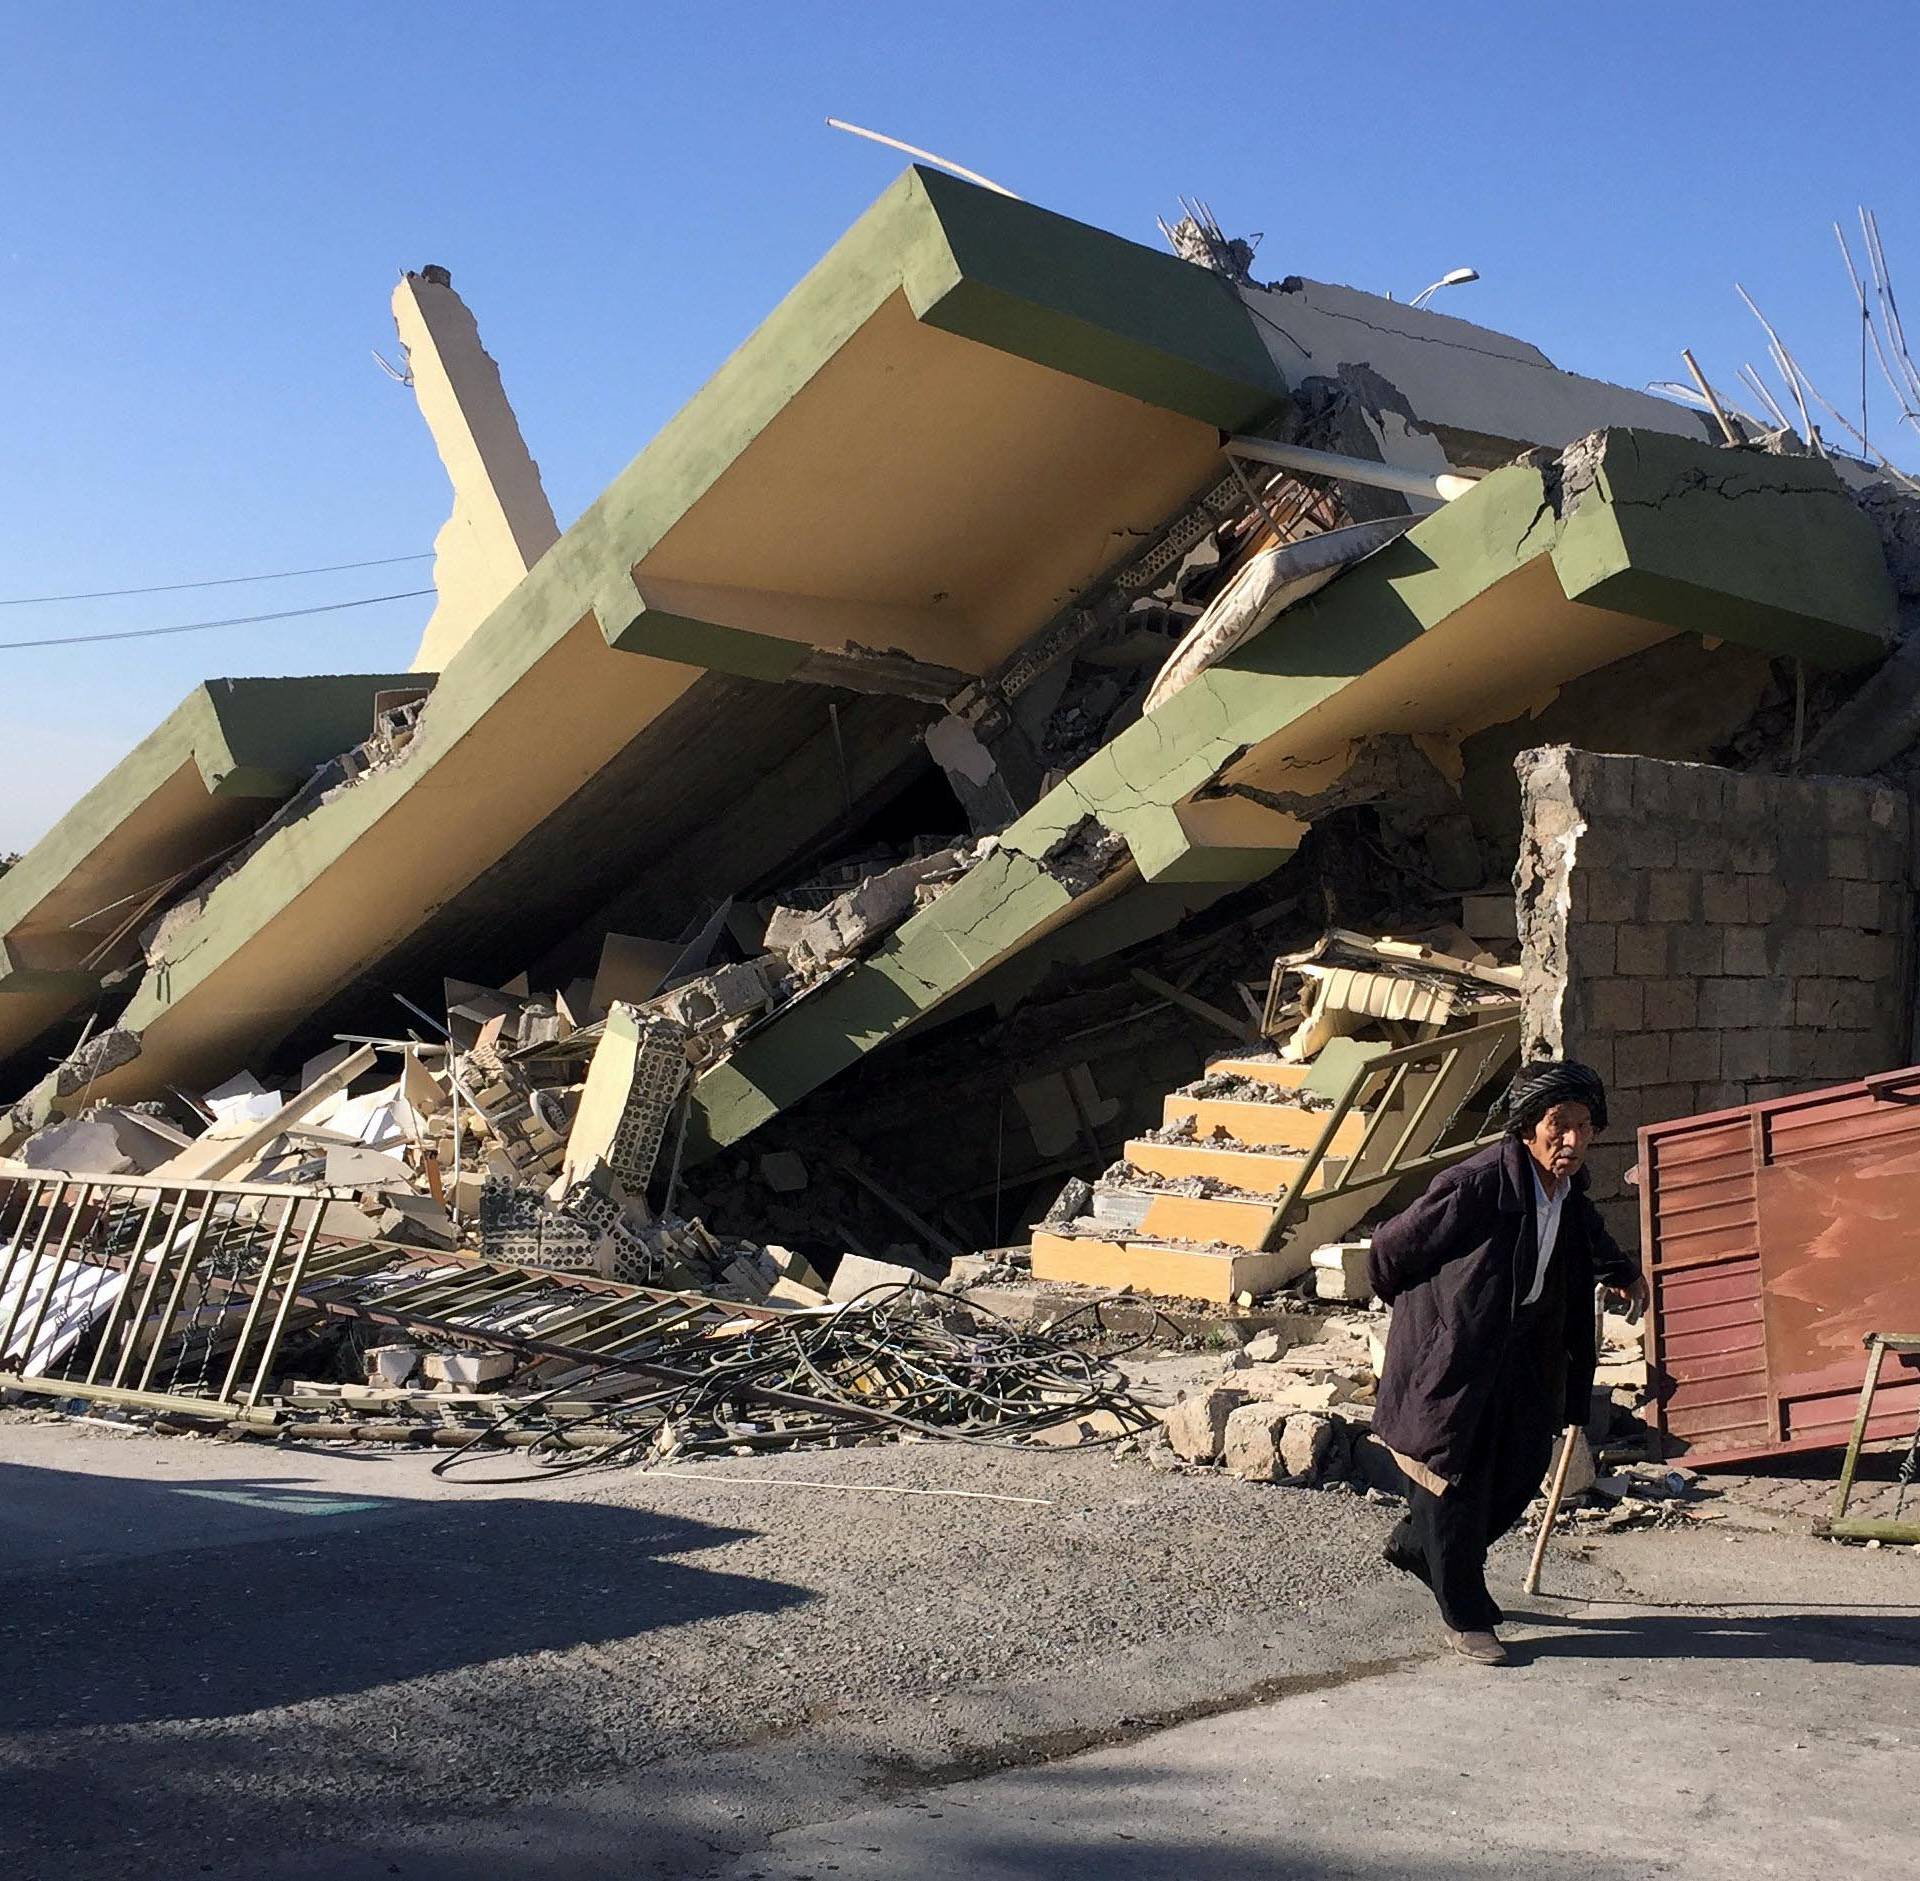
[218, 581]
[201, 626]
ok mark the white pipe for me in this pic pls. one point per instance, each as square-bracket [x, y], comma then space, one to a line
[929, 156]
[1440, 487]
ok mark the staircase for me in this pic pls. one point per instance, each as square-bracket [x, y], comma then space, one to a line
[1261, 1161]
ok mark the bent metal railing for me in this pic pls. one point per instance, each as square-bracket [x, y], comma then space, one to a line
[134, 1289]
[1416, 1101]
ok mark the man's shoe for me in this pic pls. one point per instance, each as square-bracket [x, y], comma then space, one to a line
[1482, 1648]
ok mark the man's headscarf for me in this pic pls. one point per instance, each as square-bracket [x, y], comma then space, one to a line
[1537, 1087]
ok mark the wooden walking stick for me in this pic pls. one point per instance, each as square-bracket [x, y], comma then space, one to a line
[1555, 1490]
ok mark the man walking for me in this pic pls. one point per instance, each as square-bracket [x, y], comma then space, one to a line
[1490, 1275]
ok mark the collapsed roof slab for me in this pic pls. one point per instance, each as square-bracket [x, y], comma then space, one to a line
[995, 402]
[1482, 609]
[198, 785]
[968, 410]
[1435, 389]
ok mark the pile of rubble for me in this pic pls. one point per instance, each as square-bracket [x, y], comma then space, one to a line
[1301, 1414]
[526, 1127]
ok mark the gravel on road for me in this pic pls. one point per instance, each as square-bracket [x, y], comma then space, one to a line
[413, 1663]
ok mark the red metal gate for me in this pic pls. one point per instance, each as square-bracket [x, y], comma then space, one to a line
[1776, 1238]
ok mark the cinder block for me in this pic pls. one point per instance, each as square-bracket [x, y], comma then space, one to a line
[1614, 1005]
[1890, 810]
[1865, 1005]
[1872, 957]
[1862, 904]
[1725, 1004]
[1841, 1056]
[1767, 898]
[1701, 850]
[1591, 948]
[1754, 855]
[1595, 1050]
[1751, 798]
[1847, 858]
[1814, 904]
[1661, 1103]
[1653, 846]
[1671, 1005]
[1792, 1052]
[1746, 952]
[1814, 1001]
[1622, 1220]
[1697, 951]
[1602, 781]
[1641, 950]
[1844, 808]
[1652, 788]
[1612, 894]
[1746, 1055]
[1694, 1056]
[1723, 899]
[1701, 791]
[1804, 953]
[1640, 1058]
[1672, 895]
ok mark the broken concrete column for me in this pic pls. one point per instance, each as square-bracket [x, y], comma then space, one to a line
[501, 522]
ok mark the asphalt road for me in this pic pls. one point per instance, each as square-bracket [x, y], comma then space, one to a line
[239, 1661]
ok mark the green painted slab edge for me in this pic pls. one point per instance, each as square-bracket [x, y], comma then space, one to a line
[1768, 551]
[247, 737]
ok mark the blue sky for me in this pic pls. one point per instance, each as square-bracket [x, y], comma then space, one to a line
[206, 207]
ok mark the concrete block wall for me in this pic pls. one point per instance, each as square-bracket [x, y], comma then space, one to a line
[1708, 938]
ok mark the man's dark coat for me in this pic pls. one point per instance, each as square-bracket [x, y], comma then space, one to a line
[1454, 1267]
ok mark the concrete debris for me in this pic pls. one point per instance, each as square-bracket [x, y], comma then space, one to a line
[855, 919]
[53, 1097]
[1197, 1425]
[1340, 1272]
[1205, 938]
[857, 1275]
[1251, 1446]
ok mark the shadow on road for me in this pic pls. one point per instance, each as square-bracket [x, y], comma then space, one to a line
[396, 1590]
[1813, 1638]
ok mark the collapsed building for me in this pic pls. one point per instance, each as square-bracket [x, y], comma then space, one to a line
[886, 806]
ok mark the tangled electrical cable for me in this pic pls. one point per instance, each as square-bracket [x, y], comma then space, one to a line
[897, 1359]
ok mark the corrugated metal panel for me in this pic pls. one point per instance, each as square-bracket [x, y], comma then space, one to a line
[1776, 1238]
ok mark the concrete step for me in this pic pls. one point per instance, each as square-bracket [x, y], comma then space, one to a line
[1204, 1273]
[1204, 1218]
[1264, 1172]
[1263, 1126]
[1262, 1070]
